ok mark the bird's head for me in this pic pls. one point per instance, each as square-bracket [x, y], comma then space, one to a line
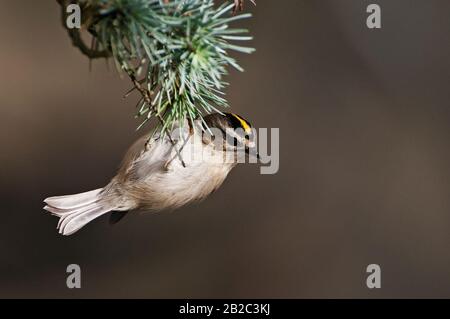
[231, 132]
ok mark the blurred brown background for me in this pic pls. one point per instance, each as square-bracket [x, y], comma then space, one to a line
[365, 162]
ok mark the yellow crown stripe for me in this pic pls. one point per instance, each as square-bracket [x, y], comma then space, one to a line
[244, 124]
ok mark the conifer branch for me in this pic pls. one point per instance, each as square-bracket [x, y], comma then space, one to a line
[180, 49]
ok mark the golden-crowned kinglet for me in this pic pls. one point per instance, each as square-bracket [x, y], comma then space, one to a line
[152, 176]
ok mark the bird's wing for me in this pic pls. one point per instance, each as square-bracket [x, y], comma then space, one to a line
[144, 159]
[143, 154]
[133, 154]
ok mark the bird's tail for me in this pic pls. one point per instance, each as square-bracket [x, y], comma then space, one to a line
[75, 211]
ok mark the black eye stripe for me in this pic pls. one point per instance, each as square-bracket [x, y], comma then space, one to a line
[242, 128]
[234, 122]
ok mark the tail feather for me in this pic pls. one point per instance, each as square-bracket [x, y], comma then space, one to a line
[68, 215]
[75, 211]
[72, 224]
[55, 211]
[73, 201]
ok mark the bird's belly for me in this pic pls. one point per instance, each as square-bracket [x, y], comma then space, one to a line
[178, 187]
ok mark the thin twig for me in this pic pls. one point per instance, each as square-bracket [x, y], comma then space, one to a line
[239, 5]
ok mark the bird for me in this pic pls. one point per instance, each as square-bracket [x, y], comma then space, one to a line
[163, 172]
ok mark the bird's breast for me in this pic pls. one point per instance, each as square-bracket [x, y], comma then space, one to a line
[175, 185]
